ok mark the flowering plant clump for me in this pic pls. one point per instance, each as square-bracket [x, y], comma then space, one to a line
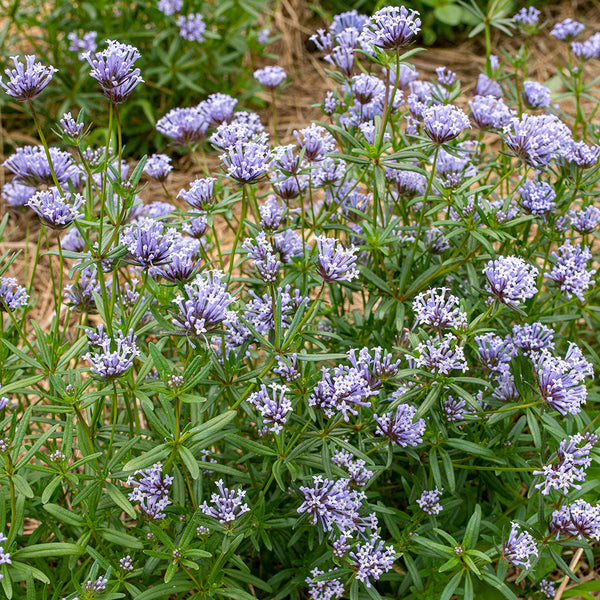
[357, 365]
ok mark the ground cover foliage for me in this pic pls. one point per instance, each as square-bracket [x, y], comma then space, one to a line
[381, 384]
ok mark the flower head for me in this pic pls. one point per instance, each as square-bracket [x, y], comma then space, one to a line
[371, 559]
[519, 547]
[31, 167]
[12, 295]
[527, 19]
[441, 355]
[263, 257]
[87, 43]
[113, 69]
[332, 504]
[391, 28]
[572, 459]
[273, 405]
[191, 27]
[247, 162]
[217, 108]
[56, 210]
[205, 305]
[532, 337]
[570, 271]
[316, 142]
[170, 7]
[17, 194]
[567, 30]
[201, 193]
[116, 356]
[580, 520]
[439, 309]
[70, 127]
[561, 380]
[158, 166]
[510, 279]
[537, 197]
[399, 427]
[328, 589]
[490, 112]
[27, 80]
[536, 94]
[443, 122]
[585, 220]
[151, 491]
[228, 504]
[183, 125]
[270, 77]
[336, 263]
[429, 501]
[537, 139]
[149, 242]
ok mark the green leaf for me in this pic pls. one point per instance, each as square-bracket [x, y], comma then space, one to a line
[149, 458]
[472, 529]
[190, 462]
[438, 549]
[121, 538]
[260, 449]
[471, 448]
[451, 586]
[22, 486]
[205, 430]
[448, 14]
[50, 549]
[64, 516]
[120, 500]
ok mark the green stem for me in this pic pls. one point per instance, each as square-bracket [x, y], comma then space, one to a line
[240, 229]
[46, 149]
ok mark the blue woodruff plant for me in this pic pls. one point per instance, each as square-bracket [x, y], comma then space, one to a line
[378, 382]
